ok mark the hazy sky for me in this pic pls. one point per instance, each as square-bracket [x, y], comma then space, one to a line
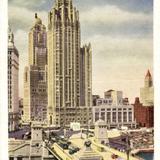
[120, 32]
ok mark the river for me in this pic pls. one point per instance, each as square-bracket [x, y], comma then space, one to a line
[146, 156]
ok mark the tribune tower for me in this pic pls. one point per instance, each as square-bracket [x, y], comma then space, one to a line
[65, 57]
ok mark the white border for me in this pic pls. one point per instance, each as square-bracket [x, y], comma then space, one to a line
[3, 81]
[157, 78]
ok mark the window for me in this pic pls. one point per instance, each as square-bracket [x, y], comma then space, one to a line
[108, 117]
[103, 115]
[119, 117]
[96, 116]
[125, 117]
[114, 117]
[130, 116]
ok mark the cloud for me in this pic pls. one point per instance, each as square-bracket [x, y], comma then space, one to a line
[141, 6]
[111, 20]
[111, 47]
[112, 15]
[120, 34]
[23, 18]
[40, 5]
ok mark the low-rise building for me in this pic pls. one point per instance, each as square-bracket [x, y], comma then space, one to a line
[115, 116]
[114, 110]
[144, 115]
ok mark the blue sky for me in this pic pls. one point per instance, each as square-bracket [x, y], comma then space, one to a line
[120, 32]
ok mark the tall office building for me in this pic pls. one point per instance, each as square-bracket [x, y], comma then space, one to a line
[13, 70]
[35, 74]
[67, 78]
[147, 92]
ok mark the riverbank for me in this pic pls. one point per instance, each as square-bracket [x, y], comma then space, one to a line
[144, 150]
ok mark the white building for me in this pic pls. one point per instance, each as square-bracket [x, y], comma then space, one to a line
[111, 97]
[13, 70]
[114, 110]
[147, 92]
[115, 116]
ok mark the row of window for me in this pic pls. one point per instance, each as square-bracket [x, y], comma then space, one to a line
[116, 117]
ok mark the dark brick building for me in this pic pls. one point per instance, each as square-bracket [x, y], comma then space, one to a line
[144, 115]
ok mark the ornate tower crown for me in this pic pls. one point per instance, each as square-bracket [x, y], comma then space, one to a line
[37, 20]
[10, 36]
[148, 75]
[148, 79]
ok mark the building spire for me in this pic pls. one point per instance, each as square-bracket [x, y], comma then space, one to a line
[148, 75]
[10, 36]
[36, 15]
[37, 19]
[148, 79]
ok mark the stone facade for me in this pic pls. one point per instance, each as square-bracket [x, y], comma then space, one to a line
[66, 76]
[13, 73]
[86, 76]
[35, 75]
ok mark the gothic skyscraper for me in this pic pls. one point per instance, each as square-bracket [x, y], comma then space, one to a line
[35, 74]
[65, 73]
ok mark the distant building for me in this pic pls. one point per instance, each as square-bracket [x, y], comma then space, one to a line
[147, 92]
[116, 96]
[114, 110]
[13, 74]
[94, 99]
[69, 67]
[108, 94]
[144, 108]
[112, 97]
[144, 115]
[35, 74]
